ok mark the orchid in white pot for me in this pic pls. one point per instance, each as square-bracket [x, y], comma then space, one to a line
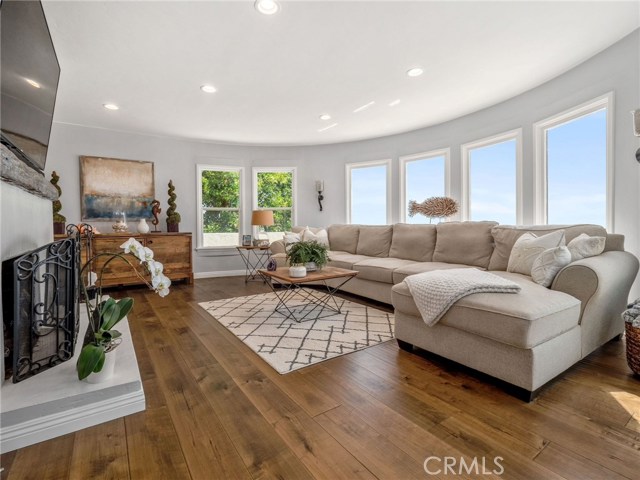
[104, 315]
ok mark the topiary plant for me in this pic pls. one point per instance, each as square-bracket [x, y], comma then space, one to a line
[173, 217]
[58, 219]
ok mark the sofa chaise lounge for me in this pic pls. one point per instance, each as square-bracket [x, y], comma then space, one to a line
[525, 339]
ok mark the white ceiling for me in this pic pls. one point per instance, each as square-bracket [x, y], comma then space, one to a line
[276, 74]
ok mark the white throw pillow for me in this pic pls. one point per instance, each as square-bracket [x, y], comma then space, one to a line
[321, 236]
[528, 247]
[584, 246]
[548, 264]
[290, 238]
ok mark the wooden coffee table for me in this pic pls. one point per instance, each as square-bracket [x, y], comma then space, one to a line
[296, 300]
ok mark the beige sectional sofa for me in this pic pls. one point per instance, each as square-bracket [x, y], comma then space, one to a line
[525, 339]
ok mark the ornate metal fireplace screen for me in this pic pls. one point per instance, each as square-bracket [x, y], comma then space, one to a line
[42, 326]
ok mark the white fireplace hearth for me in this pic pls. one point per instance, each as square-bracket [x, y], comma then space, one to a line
[55, 402]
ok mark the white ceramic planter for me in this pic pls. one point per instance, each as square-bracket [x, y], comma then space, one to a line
[298, 271]
[108, 368]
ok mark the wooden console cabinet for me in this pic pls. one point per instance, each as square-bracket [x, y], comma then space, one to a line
[173, 250]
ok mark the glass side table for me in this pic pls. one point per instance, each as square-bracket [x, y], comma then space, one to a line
[254, 258]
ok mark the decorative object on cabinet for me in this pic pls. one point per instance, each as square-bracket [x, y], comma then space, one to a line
[58, 219]
[121, 225]
[111, 185]
[155, 211]
[173, 217]
[143, 226]
[173, 250]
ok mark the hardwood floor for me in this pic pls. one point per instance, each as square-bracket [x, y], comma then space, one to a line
[216, 411]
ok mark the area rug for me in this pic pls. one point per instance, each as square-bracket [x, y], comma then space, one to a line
[287, 345]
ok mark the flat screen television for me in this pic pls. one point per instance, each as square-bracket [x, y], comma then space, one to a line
[28, 80]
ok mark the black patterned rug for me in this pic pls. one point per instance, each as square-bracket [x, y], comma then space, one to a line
[287, 345]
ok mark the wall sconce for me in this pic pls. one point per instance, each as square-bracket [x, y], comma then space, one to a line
[320, 189]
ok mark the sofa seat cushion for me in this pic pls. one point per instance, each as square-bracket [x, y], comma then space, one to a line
[401, 273]
[380, 269]
[345, 259]
[523, 320]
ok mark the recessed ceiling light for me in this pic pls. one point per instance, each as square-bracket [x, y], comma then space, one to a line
[33, 83]
[208, 88]
[267, 7]
[111, 106]
[325, 116]
[415, 72]
[394, 103]
[359, 109]
[327, 128]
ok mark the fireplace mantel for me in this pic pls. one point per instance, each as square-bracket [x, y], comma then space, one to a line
[15, 172]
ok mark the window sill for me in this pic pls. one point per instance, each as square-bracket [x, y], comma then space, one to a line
[217, 251]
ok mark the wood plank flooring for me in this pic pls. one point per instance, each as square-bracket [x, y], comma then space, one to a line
[215, 410]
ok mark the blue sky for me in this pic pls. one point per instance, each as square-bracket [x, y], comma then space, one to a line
[492, 183]
[577, 171]
[576, 154]
[368, 195]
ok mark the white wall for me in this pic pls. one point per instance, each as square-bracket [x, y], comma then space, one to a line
[615, 69]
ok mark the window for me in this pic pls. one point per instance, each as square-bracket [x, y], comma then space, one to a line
[220, 205]
[274, 189]
[368, 192]
[572, 151]
[423, 176]
[492, 179]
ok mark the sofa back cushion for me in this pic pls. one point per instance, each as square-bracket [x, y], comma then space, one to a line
[374, 240]
[505, 236]
[467, 243]
[413, 242]
[343, 238]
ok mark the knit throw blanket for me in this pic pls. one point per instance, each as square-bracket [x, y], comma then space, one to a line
[435, 292]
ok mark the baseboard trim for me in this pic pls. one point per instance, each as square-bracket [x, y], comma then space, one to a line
[223, 273]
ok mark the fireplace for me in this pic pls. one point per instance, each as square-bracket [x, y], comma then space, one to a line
[40, 308]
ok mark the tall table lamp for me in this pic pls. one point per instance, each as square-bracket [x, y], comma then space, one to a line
[262, 218]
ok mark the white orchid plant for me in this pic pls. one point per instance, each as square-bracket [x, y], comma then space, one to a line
[103, 315]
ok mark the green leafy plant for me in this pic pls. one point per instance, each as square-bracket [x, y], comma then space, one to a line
[104, 314]
[57, 204]
[303, 252]
[173, 216]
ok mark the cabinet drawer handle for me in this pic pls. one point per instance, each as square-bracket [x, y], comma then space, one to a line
[149, 242]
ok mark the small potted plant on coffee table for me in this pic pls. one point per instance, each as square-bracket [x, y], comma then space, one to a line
[310, 256]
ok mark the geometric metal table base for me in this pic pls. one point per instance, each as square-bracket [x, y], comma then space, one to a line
[254, 262]
[301, 303]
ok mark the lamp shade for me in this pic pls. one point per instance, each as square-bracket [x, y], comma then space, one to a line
[262, 217]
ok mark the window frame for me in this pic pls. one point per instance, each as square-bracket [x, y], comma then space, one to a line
[465, 150]
[254, 193]
[406, 159]
[540, 189]
[200, 168]
[372, 163]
